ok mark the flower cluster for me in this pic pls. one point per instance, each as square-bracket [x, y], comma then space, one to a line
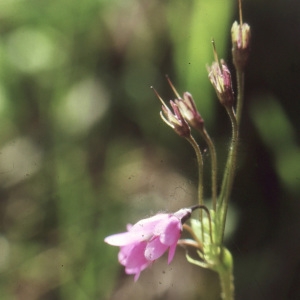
[149, 239]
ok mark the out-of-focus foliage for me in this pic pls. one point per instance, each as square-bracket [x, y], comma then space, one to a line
[83, 151]
[278, 134]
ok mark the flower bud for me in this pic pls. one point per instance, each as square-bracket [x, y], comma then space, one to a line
[189, 111]
[220, 77]
[175, 120]
[240, 36]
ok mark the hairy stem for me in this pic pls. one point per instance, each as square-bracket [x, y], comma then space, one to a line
[228, 176]
[225, 271]
[200, 177]
[240, 76]
[200, 168]
[214, 168]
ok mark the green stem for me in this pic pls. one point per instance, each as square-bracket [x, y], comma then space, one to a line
[231, 161]
[240, 76]
[225, 271]
[200, 177]
[228, 176]
[225, 267]
[214, 168]
[200, 168]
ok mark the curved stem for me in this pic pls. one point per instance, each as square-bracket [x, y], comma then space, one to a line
[209, 223]
[192, 233]
[188, 242]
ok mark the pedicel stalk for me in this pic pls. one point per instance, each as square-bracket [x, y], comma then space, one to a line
[148, 239]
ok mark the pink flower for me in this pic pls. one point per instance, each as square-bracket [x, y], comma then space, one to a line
[149, 239]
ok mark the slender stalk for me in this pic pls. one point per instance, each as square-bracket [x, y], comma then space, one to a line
[214, 168]
[194, 236]
[231, 161]
[200, 177]
[228, 175]
[240, 75]
[200, 168]
[189, 243]
[225, 270]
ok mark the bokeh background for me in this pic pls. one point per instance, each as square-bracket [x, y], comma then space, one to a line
[83, 151]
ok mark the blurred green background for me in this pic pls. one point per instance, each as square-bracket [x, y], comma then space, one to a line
[83, 151]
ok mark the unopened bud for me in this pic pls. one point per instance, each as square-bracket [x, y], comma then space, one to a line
[241, 36]
[174, 119]
[189, 111]
[220, 78]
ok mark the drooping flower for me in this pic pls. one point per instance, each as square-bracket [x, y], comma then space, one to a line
[149, 239]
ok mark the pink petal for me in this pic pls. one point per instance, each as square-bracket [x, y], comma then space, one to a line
[133, 256]
[128, 227]
[122, 239]
[137, 271]
[137, 275]
[155, 249]
[141, 231]
[147, 225]
[172, 252]
[124, 253]
[169, 231]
